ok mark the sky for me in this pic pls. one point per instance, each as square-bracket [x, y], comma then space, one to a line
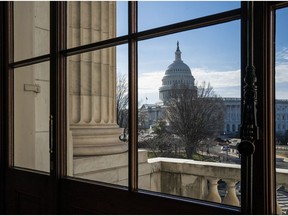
[281, 50]
[212, 53]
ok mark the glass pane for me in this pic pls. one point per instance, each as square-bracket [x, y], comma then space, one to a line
[98, 103]
[154, 14]
[93, 21]
[31, 116]
[31, 29]
[281, 110]
[189, 113]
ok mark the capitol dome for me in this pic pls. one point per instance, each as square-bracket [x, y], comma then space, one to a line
[177, 74]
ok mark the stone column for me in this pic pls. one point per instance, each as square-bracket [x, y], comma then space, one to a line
[92, 89]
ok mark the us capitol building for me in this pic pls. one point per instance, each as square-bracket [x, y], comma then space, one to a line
[179, 73]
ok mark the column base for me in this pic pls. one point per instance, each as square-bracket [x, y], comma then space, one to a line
[97, 140]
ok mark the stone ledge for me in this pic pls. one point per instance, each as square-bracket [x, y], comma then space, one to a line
[93, 163]
[198, 168]
[90, 164]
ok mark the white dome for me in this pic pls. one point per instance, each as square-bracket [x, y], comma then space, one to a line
[177, 73]
[178, 67]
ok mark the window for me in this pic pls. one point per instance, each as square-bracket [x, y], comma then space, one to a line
[98, 104]
[178, 11]
[37, 13]
[170, 153]
[31, 86]
[67, 128]
[32, 115]
[281, 149]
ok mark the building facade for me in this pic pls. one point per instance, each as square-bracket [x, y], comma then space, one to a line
[177, 75]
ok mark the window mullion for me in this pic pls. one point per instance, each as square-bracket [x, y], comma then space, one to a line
[133, 98]
[264, 191]
[58, 89]
[249, 127]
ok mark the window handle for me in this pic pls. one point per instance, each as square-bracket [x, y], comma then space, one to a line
[246, 148]
[51, 143]
[51, 134]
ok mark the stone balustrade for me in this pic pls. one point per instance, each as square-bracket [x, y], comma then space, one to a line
[215, 182]
[282, 181]
[200, 180]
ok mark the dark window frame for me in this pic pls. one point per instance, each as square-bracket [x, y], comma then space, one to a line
[263, 194]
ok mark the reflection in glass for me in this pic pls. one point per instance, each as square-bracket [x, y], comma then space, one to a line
[281, 109]
[154, 14]
[31, 117]
[189, 114]
[97, 148]
[31, 29]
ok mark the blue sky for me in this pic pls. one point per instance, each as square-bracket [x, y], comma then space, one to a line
[282, 53]
[212, 53]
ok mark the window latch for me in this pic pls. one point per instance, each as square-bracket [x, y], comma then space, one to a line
[32, 87]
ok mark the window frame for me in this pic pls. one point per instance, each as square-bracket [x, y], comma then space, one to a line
[261, 195]
[2, 116]
[132, 39]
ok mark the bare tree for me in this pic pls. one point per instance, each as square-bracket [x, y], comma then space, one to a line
[122, 100]
[162, 143]
[194, 117]
[142, 118]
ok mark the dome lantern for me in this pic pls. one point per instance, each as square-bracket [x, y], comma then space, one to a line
[178, 53]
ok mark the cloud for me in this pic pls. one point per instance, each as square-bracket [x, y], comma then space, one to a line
[281, 73]
[282, 56]
[218, 79]
[150, 82]
[281, 68]
[148, 86]
[225, 83]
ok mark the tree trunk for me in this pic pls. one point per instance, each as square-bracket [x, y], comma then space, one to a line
[189, 152]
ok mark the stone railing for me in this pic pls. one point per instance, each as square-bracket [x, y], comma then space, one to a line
[282, 181]
[215, 182]
[200, 180]
[281, 147]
